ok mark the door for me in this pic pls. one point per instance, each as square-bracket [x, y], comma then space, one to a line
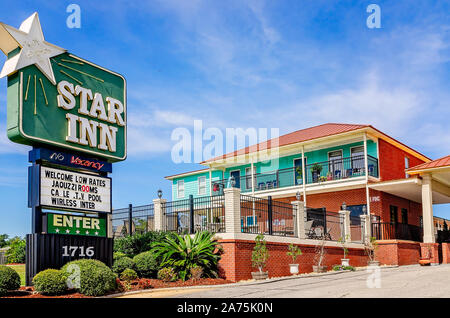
[237, 177]
[357, 158]
[298, 173]
[335, 163]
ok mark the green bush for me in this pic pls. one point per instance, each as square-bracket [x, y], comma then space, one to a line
[128, 275]
[96, 278]
[122, 264]
[184, 252]
[146, 264]
[118, 255]
[9, 279]
[16, 251]
[138, 243]
[167, 274]
[343, 268]
[50, 282]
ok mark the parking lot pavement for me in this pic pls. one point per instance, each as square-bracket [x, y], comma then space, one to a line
[403, 281]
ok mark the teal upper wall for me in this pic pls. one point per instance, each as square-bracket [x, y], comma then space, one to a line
[191, 181]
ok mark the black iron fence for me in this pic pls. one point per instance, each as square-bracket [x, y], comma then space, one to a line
[356, 229]
[321, 223]
[195, 214]
[267, 216]
[133, 220]
[397, 231]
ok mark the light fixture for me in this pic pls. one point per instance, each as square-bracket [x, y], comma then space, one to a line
[160, 193]
[344, 206]
[232, 182]
[364, 209]
[297, 195]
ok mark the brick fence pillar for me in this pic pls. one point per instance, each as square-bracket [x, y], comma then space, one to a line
[158, 208]
[232, 210]
[345, 221]
[431, 251]
[445, 253]
[300, 214]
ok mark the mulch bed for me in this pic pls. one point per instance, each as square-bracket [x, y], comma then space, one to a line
[144, 283]
[138, 284]
[28, 292]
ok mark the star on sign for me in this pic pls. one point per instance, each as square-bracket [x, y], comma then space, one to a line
[57, 230]
[67, 231]
[77, 231]
[34, 49]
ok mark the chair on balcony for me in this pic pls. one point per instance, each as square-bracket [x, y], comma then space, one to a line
[261, 186]
[269, 184]
[337, 174]
[371, 168]
[349, 173]
[274, 182]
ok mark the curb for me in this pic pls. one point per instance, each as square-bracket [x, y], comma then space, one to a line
[244, 283]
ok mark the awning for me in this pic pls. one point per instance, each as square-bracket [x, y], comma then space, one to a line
[411, 189]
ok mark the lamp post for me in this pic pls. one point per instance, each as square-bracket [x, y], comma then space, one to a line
[160, 193]
[344, 206]
[232, 182]
[297, 196]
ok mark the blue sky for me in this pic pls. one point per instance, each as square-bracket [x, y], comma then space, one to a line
[284, 64]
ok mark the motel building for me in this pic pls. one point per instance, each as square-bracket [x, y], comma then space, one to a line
[334, 181]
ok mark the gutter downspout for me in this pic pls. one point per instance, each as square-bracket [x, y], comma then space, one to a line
[304, 176]
[366, 168]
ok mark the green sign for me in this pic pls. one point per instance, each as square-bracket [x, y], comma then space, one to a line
[59, 99]
[76, 225]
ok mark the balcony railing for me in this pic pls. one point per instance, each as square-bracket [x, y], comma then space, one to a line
[396, 231]
[338, 169]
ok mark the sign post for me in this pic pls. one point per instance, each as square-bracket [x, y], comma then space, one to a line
[74, 115]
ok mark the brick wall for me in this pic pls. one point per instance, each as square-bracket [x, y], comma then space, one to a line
[236, 264]
[392, 161]
[445, 253]
[398, 252]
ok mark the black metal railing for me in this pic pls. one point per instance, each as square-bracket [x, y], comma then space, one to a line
[397, 231]
[321, 223]
[318, 172]
[356, 229]
[267, 216]
[194, 214]
[132, 220]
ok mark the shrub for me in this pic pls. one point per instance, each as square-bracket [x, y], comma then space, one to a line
[184, 252]
[342, 268]
[146, 264]
[167, 274]
[118, 255]
[196, 272]
[9, 279]
[96, 278]
[138, 243]
[122, 264]
[128, 275]
[260, 253]
[16, 251]
[50, 282]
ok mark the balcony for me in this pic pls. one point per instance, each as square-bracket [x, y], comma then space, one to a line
[396, 231]
[320, 172]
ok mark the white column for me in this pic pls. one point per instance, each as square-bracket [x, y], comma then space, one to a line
[366, 227]
[253, 176]
[345, 219]
[427, 209]
[210, 181]
[232, 210]
[366, 168]
[299, 207]
[303, 175]
[110, 226]
[159, 214]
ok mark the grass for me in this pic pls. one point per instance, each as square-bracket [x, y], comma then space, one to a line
[20, 269]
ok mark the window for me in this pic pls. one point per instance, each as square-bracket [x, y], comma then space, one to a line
[357, 155]
[248, 177]
[299, 175]
[406, 166]
[393, 211]
[404, 216]
[335, 163]
[202, 185]
[180, 189]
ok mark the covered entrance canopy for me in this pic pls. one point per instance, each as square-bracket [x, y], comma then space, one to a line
[429, 184]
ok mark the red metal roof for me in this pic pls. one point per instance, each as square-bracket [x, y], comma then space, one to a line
[438, 163]
[301, 135]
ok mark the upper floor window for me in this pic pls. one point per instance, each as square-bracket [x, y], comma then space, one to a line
[248, 177]
[394, 214]
[357, 157]
[406, 166]
[404, 216]
[180, 189]
[202, 185]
